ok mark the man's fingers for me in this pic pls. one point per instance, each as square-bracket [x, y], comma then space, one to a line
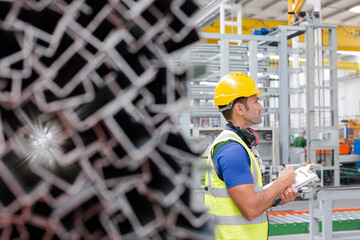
[289, 194]
[295, 190]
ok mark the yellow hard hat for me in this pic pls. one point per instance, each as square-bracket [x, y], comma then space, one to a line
[232, 86]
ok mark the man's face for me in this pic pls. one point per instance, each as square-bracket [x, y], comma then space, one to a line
[252, 115]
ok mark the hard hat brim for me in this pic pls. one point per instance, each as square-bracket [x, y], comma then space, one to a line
[222, 100]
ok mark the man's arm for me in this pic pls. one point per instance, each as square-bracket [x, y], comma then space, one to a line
[251, 204]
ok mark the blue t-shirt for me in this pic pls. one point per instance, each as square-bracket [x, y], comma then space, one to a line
[232, 163]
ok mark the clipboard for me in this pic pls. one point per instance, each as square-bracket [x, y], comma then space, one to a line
[303, 177]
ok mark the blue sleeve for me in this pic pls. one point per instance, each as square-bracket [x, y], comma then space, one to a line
[232, 163]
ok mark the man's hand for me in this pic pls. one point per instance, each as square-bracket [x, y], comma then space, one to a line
[287, 177]
[287, 195]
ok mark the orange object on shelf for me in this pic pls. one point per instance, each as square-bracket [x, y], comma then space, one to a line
[344, 148]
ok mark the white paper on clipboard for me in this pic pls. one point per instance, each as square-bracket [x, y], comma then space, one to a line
[304, 176]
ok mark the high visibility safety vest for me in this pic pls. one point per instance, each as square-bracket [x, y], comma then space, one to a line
[230, 224]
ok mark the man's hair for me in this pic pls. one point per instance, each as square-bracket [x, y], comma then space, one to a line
[228, 113]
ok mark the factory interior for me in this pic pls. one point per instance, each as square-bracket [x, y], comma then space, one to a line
[107, 114]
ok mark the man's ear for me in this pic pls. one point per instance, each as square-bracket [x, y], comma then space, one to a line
[239, 108]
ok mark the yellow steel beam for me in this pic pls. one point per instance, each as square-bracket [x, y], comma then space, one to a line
[248, 25]
[348, 37]
[299, 4]
[290, 16]
[357, 123]
[347, 66]
[352, 125]
[354, 73]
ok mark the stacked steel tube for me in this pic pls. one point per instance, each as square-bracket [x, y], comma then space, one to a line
[88, 149]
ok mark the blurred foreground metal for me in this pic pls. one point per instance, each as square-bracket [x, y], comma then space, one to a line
[87, 145]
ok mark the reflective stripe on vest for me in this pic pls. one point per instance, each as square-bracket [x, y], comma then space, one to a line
[221, 205]
[238, 220]
[218, 192]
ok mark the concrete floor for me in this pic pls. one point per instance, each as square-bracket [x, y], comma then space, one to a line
[292, 237]
[307, 236]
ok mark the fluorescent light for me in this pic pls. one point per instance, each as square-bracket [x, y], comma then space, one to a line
[355, 9]
[351, 53]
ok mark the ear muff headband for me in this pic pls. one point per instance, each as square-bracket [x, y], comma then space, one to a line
[249, 136]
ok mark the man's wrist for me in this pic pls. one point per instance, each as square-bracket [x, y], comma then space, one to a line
[276, 202]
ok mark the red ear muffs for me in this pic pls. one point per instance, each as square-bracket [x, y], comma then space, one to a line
[254, 136]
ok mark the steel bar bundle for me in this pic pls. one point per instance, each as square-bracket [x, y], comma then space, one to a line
[88, 149]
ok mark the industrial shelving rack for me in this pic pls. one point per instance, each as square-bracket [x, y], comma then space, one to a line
[254, 56]
[322, 92]
[266, 59]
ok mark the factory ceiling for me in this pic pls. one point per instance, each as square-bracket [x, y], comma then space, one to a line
[332, 11]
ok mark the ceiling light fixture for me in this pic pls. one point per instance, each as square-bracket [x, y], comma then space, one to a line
[355, 9]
